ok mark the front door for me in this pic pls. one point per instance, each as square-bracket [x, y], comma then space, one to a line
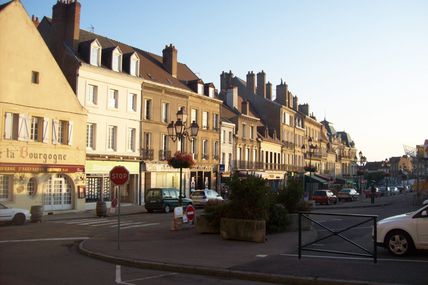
[57, 194]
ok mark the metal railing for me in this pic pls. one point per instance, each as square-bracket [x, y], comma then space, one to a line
[338, 233]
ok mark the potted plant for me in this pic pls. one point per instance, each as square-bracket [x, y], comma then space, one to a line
[181, 160]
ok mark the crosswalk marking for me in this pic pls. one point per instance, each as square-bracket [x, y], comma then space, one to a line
[112, 223]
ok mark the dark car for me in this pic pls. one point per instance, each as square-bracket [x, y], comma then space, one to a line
[163, 199]
[324, 197]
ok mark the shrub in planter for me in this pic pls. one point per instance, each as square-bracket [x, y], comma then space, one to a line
[278, 219]
[291, 195]
[211, 217]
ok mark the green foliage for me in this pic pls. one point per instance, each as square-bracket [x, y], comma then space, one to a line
[249, 199]
[278, 219]
[291, 195]
[213, 211]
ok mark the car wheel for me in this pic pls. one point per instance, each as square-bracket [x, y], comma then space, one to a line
[399, 243]
[18, 219]
[166, 208]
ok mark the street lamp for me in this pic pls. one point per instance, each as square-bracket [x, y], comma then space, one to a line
[311, 149]
[385, 166]
[179, 131]
[360, 162]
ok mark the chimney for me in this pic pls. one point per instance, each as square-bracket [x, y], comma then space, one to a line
[226, 80]
[232, 97]
[251, 83]
[245, 107]
[304, 108]
[261, 84]
[169, 60]
[295, 102]
[66, 23]
[269, 91]
[282, 93]
[35, 20]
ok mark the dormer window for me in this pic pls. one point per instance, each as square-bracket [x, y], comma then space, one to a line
[200, 88]
[95, 58]
[211, 92]
[134, 68]
[117, 60]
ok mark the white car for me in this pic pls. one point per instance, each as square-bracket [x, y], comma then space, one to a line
[402, 233]
[15, 215]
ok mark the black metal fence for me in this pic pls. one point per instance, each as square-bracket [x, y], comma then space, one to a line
[339, 233]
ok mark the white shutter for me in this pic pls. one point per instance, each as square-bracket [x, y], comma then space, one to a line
[55, 131]
[45, 130]
[8, 126]
[70, 132]
[23, 127]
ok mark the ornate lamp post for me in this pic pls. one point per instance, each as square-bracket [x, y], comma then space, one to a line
[179, 131]
[311, 149]
[360, 162]
[385, 166]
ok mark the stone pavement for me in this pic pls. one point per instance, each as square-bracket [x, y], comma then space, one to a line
[187, 251]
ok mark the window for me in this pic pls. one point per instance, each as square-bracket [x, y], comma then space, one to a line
[165, 112]
[117, 60]
[131, 139]
[35, 77]
[147, 140]
[243, 131]
[200, 89]
[132, 102]
[148, 109]
[193, 115]
[112, 138]
[62, 132]
[36, 129]
[135, 66]
[95, 54]
[211, 92]
[251, 132]
[92, 94]
[113, 98]
[32, 187]
[204, 149]
[194, 147]
[230, 137]
[224, 136]
[216, 150]
[223, 158]
[90, 135]
[11, 124]
[165, 142]
[5, 186]
[216, 121]
[205, 120]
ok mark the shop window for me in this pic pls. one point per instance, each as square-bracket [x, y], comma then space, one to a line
[5, 187]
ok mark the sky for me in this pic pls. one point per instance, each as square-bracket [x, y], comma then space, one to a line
[360, 64]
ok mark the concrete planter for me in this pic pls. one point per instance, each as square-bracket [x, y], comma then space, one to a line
[204, 226]
[293, 225]
[240, 229]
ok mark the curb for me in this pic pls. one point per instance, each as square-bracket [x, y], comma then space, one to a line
[355, 206]
[219, 272]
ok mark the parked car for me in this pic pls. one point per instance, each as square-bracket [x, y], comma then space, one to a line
[393, 190]
[163, 199]
[15, 215]
[384, 191]
[201, 197]
[403, 233]
[324, 197]
[348, 194]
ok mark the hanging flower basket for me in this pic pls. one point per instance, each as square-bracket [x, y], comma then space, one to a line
[310, 168]
[181, 160]
[360, 172]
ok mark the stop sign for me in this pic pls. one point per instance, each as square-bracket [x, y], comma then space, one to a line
[119, 175]
[190, 213]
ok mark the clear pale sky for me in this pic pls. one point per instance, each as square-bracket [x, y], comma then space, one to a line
[362, 65]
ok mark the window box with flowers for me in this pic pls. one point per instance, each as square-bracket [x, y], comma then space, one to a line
[181, 160]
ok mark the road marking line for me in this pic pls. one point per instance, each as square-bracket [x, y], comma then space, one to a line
[261, 255]
[118, 279]
[43, 239]
[126, 224]
[78, 221]
[138, 226]
[356, 258]
[152, 277]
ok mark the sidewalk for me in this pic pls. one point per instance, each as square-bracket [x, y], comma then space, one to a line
[186, 251]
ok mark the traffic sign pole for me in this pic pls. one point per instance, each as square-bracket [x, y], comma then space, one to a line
[118, 220]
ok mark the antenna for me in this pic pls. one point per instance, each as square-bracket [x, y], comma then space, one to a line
[91, 29]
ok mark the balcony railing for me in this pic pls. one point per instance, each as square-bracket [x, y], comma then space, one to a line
[205, 156]
[251, 165]
[147, 154]
[215, 157]
[164, 154]
[289, 145]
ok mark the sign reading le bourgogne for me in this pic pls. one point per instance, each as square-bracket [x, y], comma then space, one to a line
[119, 175]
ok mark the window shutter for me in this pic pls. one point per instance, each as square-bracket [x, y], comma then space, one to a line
[55, 131]
[8, 126]
[70, 132]
[23, 127]
[45, 130]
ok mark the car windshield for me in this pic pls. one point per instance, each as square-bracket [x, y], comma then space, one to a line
[345, 190]
[198, 193]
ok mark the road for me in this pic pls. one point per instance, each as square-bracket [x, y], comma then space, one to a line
[46, 253]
